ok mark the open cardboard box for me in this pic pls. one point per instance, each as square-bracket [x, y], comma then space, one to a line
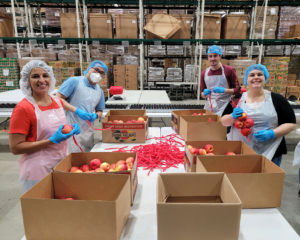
[125, 132]
[99, 211]
[126, 113]
[198, 128]
[220, 148]
[79, 159]
[197, 206]
[175, 122]
[256, 179]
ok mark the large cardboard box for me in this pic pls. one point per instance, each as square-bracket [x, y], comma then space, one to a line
[234, 26]
[198, 128]
[149, 35]
[175, 121]
[211, 26]
[126, 26]
[220, 148]
[185, 23]
[288, 94]
[291, 83]
[79, 159]
[129, 112]
[131, 83]
[99, 211]
[295, 30]
[131, 71]
[257, 180]
[293, 89]
[163, 25]
[125, 132]
[101, 25]
[297, 83]
[6, 25]
[197, 206]
[68, 23]
[292, 77]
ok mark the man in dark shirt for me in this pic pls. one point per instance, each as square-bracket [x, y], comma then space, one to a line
[219, 81]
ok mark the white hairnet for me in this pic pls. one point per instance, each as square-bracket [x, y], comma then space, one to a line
[24, 82]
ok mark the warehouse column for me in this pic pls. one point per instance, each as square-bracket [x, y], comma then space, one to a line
[86, 30]
[40, 17]
[79, 35]
[15, 26]
[263, 32]
[252, 29]
[197, 43]
[201, 46]
[141, 13]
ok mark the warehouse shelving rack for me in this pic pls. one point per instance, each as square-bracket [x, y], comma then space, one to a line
[198, 42]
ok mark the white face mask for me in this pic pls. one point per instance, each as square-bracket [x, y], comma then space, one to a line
[95, 77]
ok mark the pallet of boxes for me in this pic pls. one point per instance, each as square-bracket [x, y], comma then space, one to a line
[293, 87]
[126, 76]
[9, 74]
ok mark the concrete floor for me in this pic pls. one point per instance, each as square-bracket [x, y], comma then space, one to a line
[11, 223]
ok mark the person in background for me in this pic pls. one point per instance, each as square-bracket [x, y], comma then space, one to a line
[272, 115]
[84, 92]
[36, 125]
[218, 81]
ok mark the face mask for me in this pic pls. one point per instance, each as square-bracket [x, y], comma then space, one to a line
[95, 77]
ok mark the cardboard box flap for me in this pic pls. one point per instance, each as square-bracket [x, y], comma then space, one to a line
[269, 167]
[227, 192]
[3, 15]
[126, 113]
[202, 118]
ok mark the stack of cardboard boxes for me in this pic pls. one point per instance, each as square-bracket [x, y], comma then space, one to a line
[6, 25]
[9, 74]
[293, 86]
[271, 22]
[126, 76]
[240, 67]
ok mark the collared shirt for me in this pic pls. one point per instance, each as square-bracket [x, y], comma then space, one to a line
[70, 85]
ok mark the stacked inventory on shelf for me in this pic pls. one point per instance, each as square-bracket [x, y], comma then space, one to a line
[9, 74]
[156, 74]
[271, 23]
[296, 50]
[175, 50]
[127, 60]
[157, 50]
[233, 50]
[288, 16]
[188, 73]
[53, 16]
[274, 50]
[240, 67]
[174, 75]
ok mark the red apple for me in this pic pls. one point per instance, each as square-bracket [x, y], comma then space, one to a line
[202, 152]
[121, 167]
[95, 163]
[129, 165]
[238, 124]
[69, 199]
[209, 148]
[111, 170]
[200, 114]
[93, 171]
[246, 131]
[249, 123]
[112, 166]
[99, 170]
[105, 166]
[73, 169]
[196, 151]
[85, 168]
[66, 129]
[194, 114]
[116, 121]
[140, 120]
[121, 121]
[130, 160]
[243, 117]
[128, 122]
[189, 147]
[210, 154]
[193, 150]
[230, 153]
[120, 162]
[78, 171]
[133, 121]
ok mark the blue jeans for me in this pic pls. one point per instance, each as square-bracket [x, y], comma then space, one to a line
[277, 160]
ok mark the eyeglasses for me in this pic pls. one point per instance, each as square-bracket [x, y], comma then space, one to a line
[98, 71]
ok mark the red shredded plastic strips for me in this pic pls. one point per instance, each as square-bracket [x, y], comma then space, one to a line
[77, 143]
[210, 121]
[163, 154]
[210, 102]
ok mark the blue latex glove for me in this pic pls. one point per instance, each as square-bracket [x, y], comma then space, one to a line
[264, 135]
[219, 90]
[237, 112]
[93, 117]
[58, 136]
[83, 114]
[206, 92]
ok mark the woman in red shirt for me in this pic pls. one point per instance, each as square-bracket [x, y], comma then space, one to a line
[36, 124]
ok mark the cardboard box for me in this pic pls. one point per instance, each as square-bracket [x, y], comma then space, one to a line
[104, 207]
[197, 206]
[185, 23]
[297, 83]
[126, 113]
[126, 26]
[175, 121]
[149, 35]
[79, 159]
[125, 132]
[163, 25]
[293, 89]
[101, 25]
[282, 66]
[291, 83]
[68, 23]
[288, 94]
[131, 83]
[291, 77]
[234, 26]
[121, 83]
[131, 71]
[257, 180]
[211, 26]
[198, 128]
[295, 30]
[6, 25]
[220, 148]
[119, 70]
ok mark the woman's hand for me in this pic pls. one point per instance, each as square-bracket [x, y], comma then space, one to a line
[237, 112]
[264, 135]
[59, 137]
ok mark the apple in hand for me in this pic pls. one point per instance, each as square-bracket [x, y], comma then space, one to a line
[230, 153]
[249, 123]
[209, 148]
[95, 163]
[85, 168]
[105, 166]
[66, 129]
[243, 117]
[202, 152]
[73, 169]
[246, 131]
[238, 124]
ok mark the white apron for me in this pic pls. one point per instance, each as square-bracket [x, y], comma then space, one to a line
[265, 118]
[85, 98]
[35, 166]
[219, 101]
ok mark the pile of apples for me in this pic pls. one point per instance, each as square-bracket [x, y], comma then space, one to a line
[245, 124]
[97, 166]
[207, 150]
[139, 120]
[197, 114]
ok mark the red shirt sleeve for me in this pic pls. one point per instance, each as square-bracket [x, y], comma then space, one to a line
[202, 82]
[233, 79]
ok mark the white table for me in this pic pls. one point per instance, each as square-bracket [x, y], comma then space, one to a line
[298, 131]
[131, 97]
[154, 97]
[180, 83]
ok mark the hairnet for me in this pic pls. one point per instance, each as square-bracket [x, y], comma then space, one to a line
[24, 82]
[98, 63]
[214, 49]
[259, 67]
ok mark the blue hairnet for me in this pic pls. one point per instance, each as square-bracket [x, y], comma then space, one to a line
[259, 67]
[214, 49]
[98, 63]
